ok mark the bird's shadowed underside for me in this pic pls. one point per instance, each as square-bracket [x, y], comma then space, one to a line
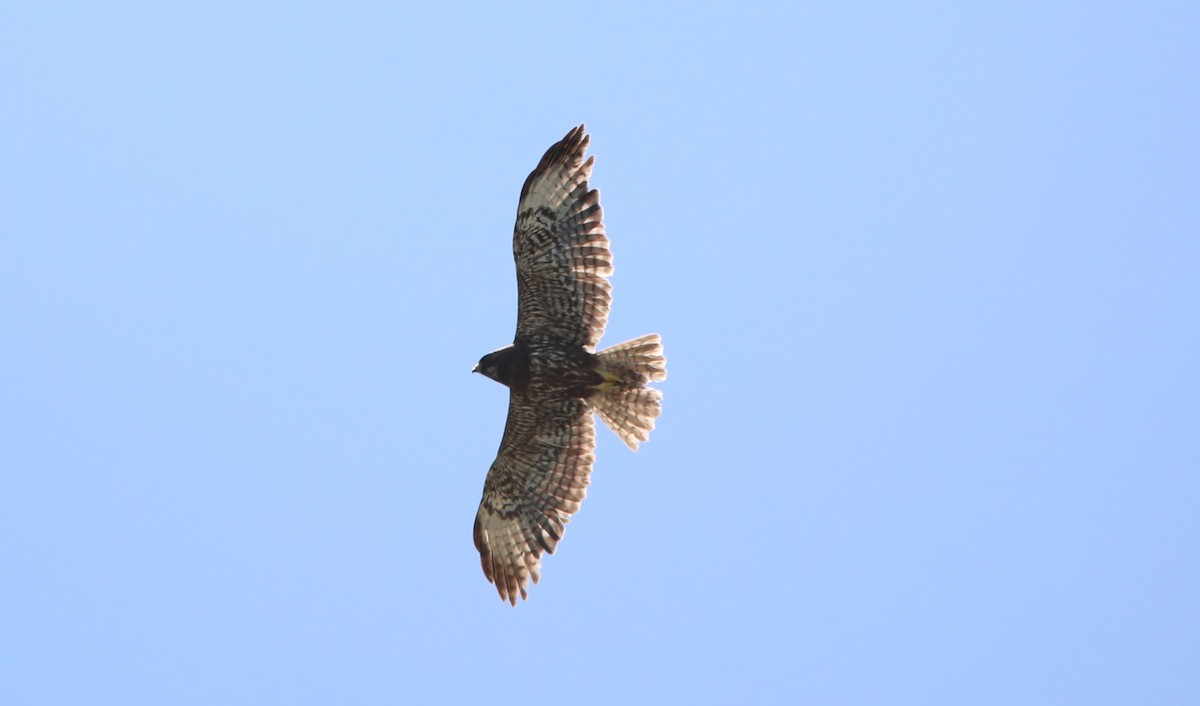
[556, 380]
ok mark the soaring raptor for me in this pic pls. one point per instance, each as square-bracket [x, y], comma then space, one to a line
[556, 379]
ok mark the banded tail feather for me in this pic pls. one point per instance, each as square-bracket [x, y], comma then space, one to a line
[623, 401]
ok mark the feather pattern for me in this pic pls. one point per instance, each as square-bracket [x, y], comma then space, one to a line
[556, 380]
[561, 251]
[539, 478]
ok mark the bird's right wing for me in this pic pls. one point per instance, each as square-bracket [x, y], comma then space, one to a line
[539, 478]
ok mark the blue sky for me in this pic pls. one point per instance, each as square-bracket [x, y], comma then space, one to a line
[926, 273]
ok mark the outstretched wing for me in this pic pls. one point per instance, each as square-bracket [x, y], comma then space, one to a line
[562, 255]
[536, 483]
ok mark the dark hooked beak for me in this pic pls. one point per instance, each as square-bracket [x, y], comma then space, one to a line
[476, 368]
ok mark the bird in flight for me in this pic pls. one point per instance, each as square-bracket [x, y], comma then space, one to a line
[555, 377]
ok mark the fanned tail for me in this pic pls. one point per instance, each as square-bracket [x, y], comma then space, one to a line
[623, 401]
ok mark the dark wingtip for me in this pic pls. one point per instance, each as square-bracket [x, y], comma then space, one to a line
[569, 151]
[572, 145]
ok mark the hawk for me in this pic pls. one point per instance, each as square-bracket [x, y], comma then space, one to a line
[555, 377]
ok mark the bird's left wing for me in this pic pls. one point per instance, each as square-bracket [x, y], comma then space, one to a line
[561, 251]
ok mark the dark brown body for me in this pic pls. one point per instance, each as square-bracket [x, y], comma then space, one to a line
[529, 367]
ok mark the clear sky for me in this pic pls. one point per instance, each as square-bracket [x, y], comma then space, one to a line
[928, 277]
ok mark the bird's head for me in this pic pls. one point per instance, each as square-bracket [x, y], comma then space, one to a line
[489, 365]
[503, 366]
